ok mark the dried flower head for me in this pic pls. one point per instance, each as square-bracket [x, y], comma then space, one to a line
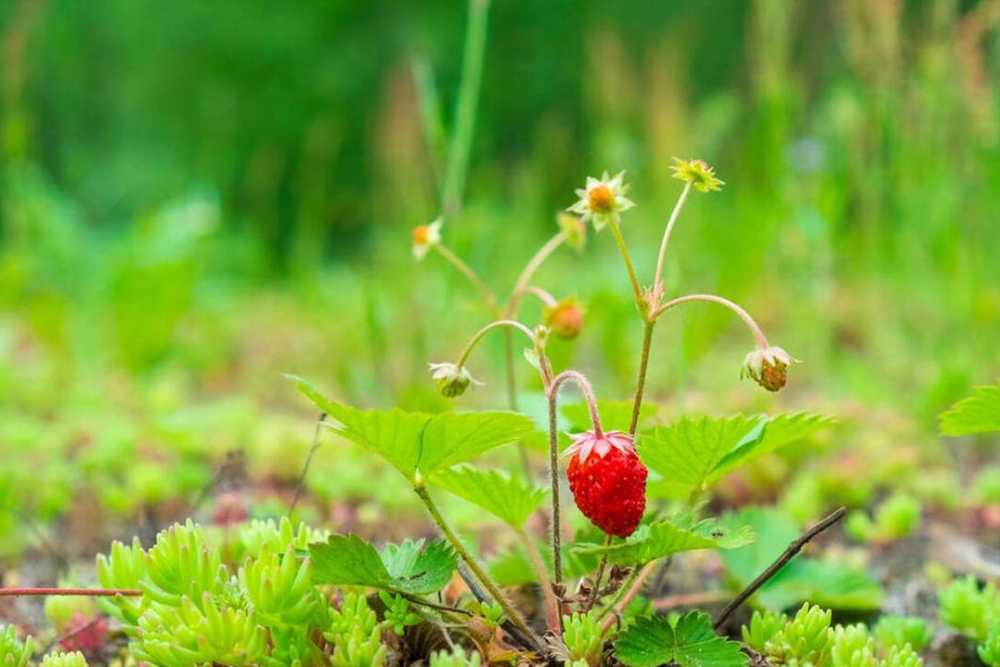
[697, 173]
[768, 367]
[564, 318]
[426, 237]
[602, 200]
[451, 380]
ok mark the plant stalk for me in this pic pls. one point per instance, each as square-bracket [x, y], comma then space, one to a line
[657, 280]
[552, 607]
[623, 249]
[755, 329]
[457, 167]
[477, 570]
[640, 385]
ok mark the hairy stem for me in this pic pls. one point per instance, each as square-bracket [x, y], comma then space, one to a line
[457, 167]
[588, 396]
[758, 334]
[477, 570]
[657, 284]
[554, 483]
[623, 249]
[788, 554]
[484, 292]
[640, 384]
[552, 610]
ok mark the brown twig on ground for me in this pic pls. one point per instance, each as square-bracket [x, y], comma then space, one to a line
[793, 549]
[300, 487]
[72, 592]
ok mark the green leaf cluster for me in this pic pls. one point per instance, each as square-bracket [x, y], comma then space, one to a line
[664, 538]
[418, 444]
[696, 452]
[13, 651]
[894, 519]
[891, 631]
[68, 659]
[583, 638]
[809, 639]
[974, 612]
[411, 567]
[687, 641]
[457, 657]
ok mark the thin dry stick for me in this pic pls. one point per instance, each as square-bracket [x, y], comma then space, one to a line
[70, 592]
[793, 549]
[300, 487]
[688, 599]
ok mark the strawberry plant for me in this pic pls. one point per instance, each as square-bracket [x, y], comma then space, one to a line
[587, 585]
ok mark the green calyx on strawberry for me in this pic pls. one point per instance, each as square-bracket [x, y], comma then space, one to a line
[608, 480]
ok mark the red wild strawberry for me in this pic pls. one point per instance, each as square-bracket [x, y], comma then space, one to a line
[608, 480]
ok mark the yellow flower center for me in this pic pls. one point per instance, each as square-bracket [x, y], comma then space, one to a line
[421, 234]
[601, 199]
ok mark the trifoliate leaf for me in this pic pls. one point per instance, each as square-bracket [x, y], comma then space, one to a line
[826, 583]
[663, 538]
[615, 415]
[413, 441]
[690, 641]
[408, 567]
[509, 499]
[697, 452]
[979, 413]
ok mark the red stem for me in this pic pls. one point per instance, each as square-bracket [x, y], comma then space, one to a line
[77, 592]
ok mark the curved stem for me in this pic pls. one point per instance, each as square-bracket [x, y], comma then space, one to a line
[588, 396]
[536, 261]
[471, 275]
[477, 570]
[623, 249]
[540, 294]
[485, 330]
[758, 334]
[657, 286]
[640, 385]
[551, 601]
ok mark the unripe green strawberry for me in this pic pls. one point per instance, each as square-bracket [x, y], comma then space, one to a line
[608, 481]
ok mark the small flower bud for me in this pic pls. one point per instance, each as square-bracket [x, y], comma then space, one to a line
[697, 173]
[768, 367]
[564, 318]
[575, 230]
[451, 380]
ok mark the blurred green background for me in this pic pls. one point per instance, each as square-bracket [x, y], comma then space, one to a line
[197, 197]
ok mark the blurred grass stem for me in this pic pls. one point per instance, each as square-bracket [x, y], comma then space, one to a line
[460, 148]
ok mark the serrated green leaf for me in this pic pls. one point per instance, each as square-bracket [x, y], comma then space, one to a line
[509, 499]
[663, 538]
[615, 415]
[697, 452]
[348, 559]
[450, 439]
[408, 567]
[413, 441]
[979, 413]
[429, 572]
[688, 642]
[688, 450]
[826, 583]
